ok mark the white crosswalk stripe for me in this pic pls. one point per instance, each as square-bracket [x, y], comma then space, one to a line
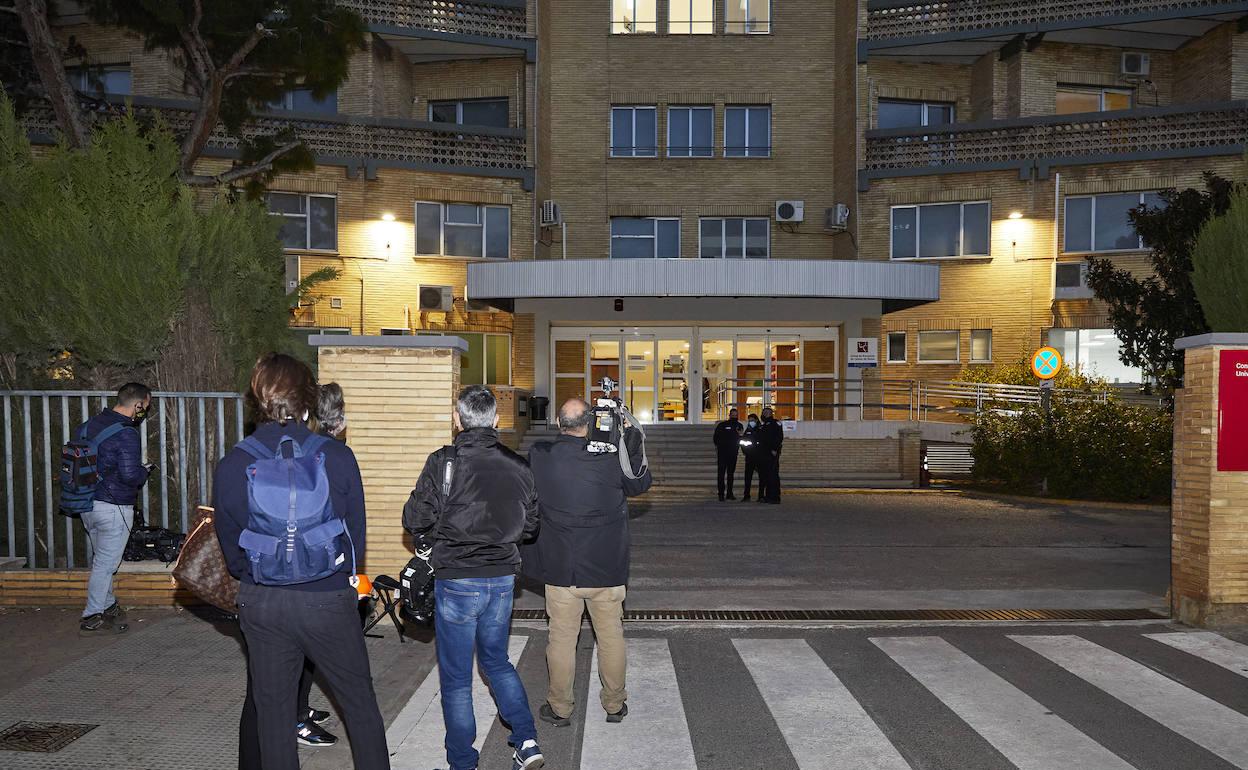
[416, 735]
[1026, 732]
[655, 734]
[823, 724]
[1202, 720]
[1209, 646]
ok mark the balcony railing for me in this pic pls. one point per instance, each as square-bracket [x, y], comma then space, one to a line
[341, 139]
[499, 19]
[895, 19]
[1157, 132]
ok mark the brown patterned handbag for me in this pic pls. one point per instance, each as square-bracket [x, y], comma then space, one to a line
[201, 566]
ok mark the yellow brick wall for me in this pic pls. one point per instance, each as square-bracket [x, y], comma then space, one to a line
[401, 401]
[1053, 63]
[920, 82]
[152, 73]
[68, 588]
[469, 79]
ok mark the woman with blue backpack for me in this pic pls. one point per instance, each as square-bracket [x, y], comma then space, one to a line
[290, 518]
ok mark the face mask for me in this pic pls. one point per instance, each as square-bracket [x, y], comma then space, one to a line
[753, 423]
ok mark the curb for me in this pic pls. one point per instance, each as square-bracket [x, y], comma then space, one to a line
[1058, 501]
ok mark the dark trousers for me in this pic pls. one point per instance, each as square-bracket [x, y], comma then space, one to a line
[766, 465]
[751, 465]
[771, 487]
[249, 735]
[725, 472]
[282, 627]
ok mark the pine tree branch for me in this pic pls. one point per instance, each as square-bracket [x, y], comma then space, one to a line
[45, 52]
[240, 172]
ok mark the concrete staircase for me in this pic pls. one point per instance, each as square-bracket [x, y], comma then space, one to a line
[683, 456]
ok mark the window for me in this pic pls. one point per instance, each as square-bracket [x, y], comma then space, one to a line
[1100, 222]
[747, 17]
[690, 132]
[938, 347]
[463, 230]
[302, 100]
[941, 230]
[734, 238]
[896, 347]
[691, 17]
[747, 132]
[103, 79]
[488, 360]
[631, 17]
[473, 112]
[898, 114]
[1075, 99]
[645, 238]
[634, 132]
[1094, 352]
[981, 345]
[1071, 281]
[309, 222]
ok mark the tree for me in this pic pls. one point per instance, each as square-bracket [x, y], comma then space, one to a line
[1220, 262]
[1149, 313]
[237, 55]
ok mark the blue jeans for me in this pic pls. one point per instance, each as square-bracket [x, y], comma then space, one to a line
[477, 611]
[108, 526]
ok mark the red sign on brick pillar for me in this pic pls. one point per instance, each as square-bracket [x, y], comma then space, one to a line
[1233, 410]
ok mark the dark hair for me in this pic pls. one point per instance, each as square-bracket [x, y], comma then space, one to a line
[133, 393]
[330, 409]
[282, 388]
[752, 416]
[477, 407]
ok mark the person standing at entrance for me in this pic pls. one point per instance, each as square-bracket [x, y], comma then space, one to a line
[749, 448]
[582, 555]
[119, 464]
[727, 438]
[771, 438]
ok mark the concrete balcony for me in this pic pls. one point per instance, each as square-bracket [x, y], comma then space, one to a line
[1034, 145]
[437, 30]
[357, 143]
[962, 30]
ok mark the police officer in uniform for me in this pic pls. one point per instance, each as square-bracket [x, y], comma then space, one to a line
[749, 448]
[770, 439]
[727, 439]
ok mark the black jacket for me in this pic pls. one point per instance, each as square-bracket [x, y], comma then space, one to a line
[727, 437]
[119, 460]
[229, 498]
[584, 537]
[750, 450]
[770, 437]
[491, 508]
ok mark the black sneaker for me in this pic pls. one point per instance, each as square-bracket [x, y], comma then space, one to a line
[115, 612]
[745, 499]
[316, 716]
[548, 715]
[99, 625]
[311, 734]
[619, 715]
[731, 496]
[721, 498]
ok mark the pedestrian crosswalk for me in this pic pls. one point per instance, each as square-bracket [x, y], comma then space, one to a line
[837, 710]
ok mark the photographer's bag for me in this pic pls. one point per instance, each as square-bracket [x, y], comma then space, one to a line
[293, 534]
[80, 475]
[416, 580]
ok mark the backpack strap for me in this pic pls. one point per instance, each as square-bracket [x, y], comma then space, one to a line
[312, 444]
[104, 435]
[448, 470]
[252, 446]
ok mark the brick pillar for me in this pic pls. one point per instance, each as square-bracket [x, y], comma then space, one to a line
[399, 393]
[910, 444]
[1209, 512]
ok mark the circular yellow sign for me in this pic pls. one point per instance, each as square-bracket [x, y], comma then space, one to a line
[1046, 363]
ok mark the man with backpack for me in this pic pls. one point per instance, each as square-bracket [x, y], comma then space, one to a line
[112, 439]
[475, 502]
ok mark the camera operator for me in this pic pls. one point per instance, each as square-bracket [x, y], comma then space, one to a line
[582, 554]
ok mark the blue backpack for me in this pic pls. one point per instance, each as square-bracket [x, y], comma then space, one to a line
[80, 474]
[293, 534]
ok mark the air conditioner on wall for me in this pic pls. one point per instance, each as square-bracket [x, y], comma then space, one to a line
[436, 299]
[550, 216]
[790, 211]
[1135, 64]
[836, 218]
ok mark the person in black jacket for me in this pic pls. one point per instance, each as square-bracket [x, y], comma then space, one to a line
[727, 438]
[122, 474]
[771, 438]
[318, 620]
[476, 502]
[749, 448]
[581, 555]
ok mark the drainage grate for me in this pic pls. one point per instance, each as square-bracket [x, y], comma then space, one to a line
[848, 615]
[45, 737]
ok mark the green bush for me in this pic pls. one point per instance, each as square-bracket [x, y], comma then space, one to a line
[1019, 373]
[1106, 450]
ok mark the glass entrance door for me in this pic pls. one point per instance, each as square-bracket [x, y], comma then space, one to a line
[637, 381]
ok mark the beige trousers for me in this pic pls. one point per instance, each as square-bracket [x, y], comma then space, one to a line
[606, 611]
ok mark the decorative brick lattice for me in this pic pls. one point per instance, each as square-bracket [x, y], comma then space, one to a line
[450, 16]
[922, 19]
[1063, 137]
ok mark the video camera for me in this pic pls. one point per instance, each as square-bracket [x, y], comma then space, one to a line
[606, 432]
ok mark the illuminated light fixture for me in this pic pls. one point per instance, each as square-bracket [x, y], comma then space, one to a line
[1016, 215]
[719, 352]
[387, 217]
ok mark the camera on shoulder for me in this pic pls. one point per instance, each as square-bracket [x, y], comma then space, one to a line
[607, 430]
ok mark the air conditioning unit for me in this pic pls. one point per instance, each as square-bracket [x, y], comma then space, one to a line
[790, 211]
[436, 299]
[480, 306]
[1135, 64]
[1071, 281]
[836, 218]
[551, 216]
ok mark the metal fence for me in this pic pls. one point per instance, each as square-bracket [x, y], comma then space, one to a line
[184, 437]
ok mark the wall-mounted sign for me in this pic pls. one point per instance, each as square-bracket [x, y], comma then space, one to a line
[1233, 411]
[864, 352]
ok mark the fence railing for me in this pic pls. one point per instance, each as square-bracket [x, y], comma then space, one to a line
[184, 436]
[946, 399]
[500, 18]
